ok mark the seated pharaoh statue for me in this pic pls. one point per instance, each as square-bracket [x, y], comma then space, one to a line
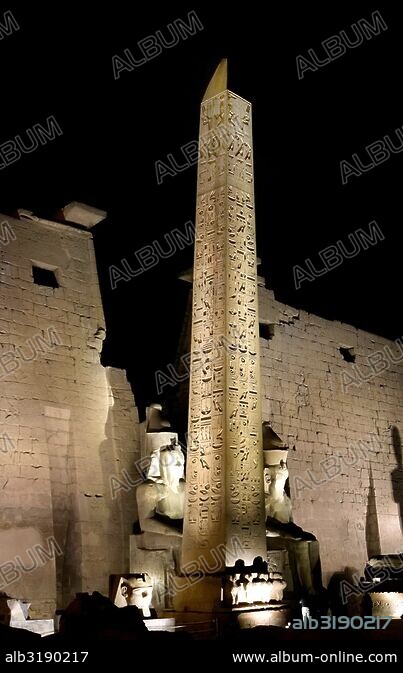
[160, 499]
[297, 548]
[156, 543]
[278, 505]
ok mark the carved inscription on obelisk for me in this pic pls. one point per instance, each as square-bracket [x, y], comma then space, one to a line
[225, 496]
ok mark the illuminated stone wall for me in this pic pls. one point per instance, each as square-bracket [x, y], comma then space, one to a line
[343, 432]
[67, 424]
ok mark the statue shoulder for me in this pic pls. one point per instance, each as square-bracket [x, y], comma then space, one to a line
[148, 483]
[147, 488]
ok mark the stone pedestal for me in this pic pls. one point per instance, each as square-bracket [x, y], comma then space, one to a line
[152, 553]
[167, 624]
[272, 616]
[14, 612]
[299, 563]
[383, 585]
[44, 627]
[200, 594]
[387, 603]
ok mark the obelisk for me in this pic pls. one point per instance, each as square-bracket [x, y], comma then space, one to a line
[225, 496]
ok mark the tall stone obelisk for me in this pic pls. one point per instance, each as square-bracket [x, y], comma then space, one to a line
[225, 495]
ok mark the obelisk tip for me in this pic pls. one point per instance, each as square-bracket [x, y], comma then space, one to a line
[218, 81]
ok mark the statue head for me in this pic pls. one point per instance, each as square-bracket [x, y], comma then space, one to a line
[275, 477]
[167, 465]
[155, 420]
[137, 590]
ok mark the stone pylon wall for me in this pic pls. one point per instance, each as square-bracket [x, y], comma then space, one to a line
[344, 432]
[67, 424]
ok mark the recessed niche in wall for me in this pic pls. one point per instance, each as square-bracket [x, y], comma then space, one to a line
[347, 353]
[45, 277]
[266, 330]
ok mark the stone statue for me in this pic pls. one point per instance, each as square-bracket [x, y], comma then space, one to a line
[278, 505]
[160, 500]
[137, 590]
[302, 547]
[277, 502]
[155, 421]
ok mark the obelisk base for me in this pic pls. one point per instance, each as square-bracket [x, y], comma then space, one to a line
[197, 594]
[203, 600]
[279, 615]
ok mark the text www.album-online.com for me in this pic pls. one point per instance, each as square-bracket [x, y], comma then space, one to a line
[339, 657]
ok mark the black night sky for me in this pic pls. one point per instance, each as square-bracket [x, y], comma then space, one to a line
[60, 63]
